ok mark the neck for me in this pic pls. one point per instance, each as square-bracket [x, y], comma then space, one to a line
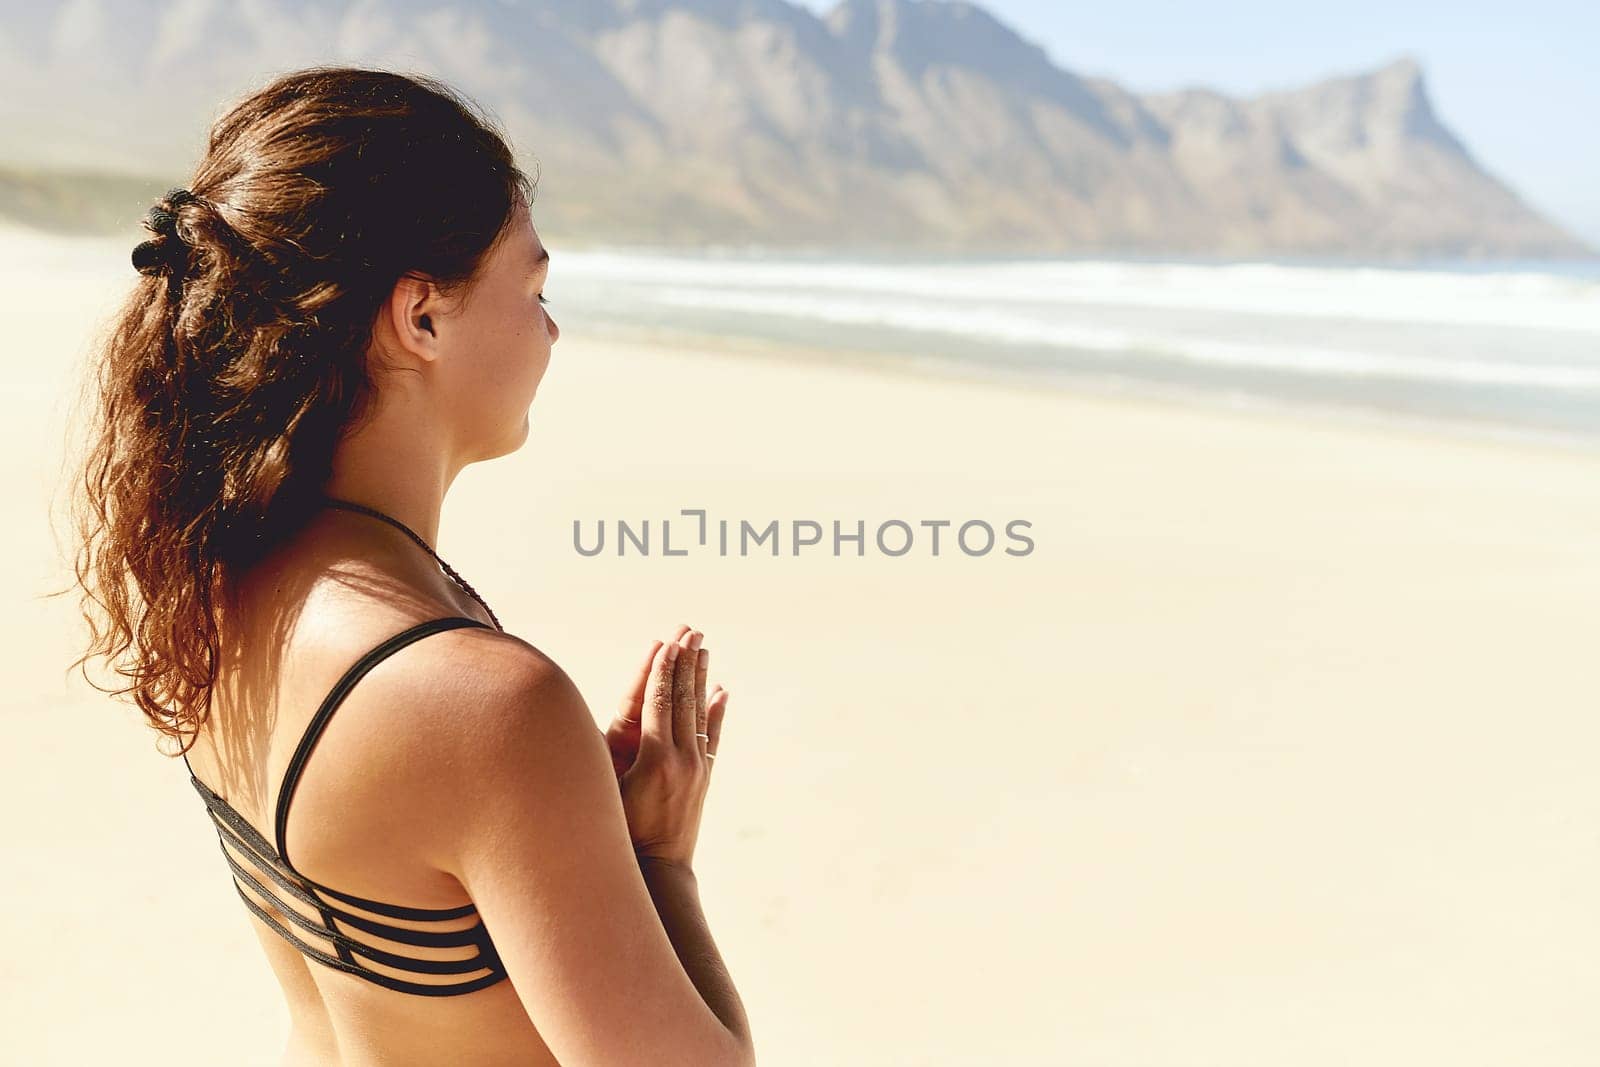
[338, 503]
[406, 480]
[400, 463]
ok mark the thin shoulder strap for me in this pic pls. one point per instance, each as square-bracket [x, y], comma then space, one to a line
[341, 689]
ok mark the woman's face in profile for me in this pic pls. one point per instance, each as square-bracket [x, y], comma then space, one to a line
[500, 342]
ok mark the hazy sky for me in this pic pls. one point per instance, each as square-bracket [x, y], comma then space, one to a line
[1519, 83]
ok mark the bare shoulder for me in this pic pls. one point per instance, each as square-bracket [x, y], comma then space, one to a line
[485, 687]
[444, 743]
[488, 718]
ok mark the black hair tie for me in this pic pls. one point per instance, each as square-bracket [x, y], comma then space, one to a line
[171, 252]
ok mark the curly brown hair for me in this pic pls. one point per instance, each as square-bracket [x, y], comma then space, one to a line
[223, 383]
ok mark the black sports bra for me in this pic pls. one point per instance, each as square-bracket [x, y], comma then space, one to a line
[351, 933]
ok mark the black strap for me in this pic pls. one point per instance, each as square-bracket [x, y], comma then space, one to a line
[341, 689]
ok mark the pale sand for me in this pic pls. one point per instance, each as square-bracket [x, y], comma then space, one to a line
[1278, 749]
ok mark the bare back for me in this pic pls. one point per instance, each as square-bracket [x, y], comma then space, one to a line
[297, 626]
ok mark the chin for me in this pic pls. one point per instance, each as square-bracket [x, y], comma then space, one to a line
[511, 442]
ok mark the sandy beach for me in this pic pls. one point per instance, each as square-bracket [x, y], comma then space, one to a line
[1277, 748]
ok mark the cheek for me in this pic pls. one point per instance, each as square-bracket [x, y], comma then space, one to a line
[519, 338]
[529, 352]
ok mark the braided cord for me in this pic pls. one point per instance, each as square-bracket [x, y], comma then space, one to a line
[349, 505]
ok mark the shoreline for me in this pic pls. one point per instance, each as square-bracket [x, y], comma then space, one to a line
[1140, 393]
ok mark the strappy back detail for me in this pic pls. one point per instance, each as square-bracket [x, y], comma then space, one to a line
[326, 928]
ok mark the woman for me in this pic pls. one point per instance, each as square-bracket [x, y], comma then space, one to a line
[341, 312]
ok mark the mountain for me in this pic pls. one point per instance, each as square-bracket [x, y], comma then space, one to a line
[885, 123]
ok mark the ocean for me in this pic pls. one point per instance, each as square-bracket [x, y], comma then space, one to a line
[1510, 349]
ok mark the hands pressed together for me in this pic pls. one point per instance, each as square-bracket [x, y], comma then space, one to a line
[663, 743]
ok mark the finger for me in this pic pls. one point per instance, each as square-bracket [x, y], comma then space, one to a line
[715, 710]
[683, 712]
[633, 700]
[657, 729]
[700, 669]
[631, 706]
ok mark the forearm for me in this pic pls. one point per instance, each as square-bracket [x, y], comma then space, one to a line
[676, 893]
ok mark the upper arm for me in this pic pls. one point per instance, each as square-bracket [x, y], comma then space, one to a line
[537, 836]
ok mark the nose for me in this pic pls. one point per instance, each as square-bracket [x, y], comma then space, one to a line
[555, 331]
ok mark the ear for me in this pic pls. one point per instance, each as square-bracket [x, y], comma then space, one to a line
[412, 312]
